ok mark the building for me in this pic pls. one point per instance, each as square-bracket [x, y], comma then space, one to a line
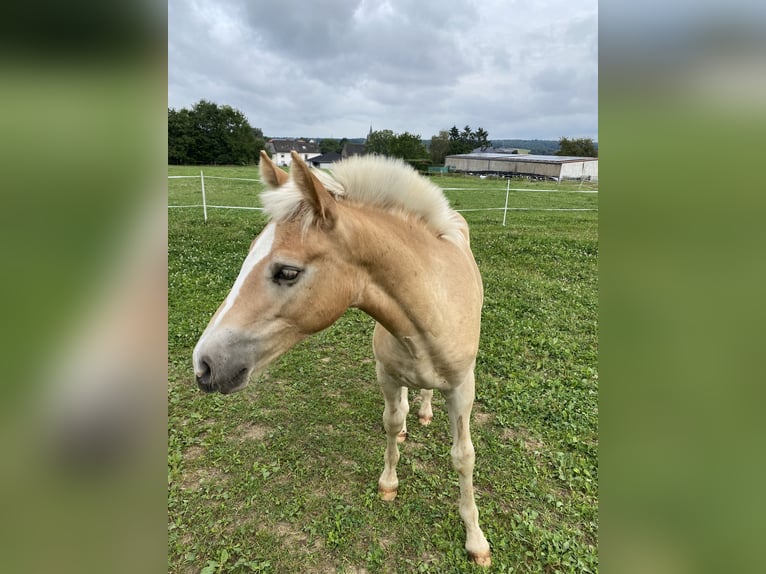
[537, 166]
[511, 150]
[280, 150]
[325, 160]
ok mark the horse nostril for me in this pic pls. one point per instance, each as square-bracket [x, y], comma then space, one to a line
[203, 378]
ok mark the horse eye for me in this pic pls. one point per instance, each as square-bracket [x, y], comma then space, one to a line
[286, 275]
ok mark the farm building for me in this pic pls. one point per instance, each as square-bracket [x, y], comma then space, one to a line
[511, 150]
[541, 166]
[280, 150]
[325, 160]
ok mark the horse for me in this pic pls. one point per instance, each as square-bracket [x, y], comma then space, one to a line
[372, 234]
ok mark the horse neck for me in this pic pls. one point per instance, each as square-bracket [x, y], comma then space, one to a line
[402, 262]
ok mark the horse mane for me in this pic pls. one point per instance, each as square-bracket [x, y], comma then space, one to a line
[375, 180]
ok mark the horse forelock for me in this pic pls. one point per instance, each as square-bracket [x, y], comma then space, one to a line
[379, 181]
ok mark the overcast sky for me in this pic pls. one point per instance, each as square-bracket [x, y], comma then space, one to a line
[333, 68]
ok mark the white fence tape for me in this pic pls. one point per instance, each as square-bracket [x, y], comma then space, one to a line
[204, 205]
[521, 189]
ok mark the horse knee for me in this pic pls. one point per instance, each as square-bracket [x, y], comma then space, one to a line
[463, 458]
[393, 421]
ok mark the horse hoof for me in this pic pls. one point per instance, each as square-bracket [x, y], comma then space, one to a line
[401, 437]
[484, 560]
[425, 421]
[386, 495]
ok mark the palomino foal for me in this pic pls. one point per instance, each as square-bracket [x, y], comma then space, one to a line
[377, 236]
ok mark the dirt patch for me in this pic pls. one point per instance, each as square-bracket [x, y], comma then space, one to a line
[429, 558]
[186, 540]
[347, 462]
[195, 479]
[290, 535]
[193, 453]
[410, 445]
[482, 419]
[251, 431]
[532, 444]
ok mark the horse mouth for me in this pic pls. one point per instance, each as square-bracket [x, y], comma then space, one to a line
[233, 385]
[207, 387]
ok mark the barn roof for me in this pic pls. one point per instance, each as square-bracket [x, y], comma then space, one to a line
[329, 157]
[554, 159]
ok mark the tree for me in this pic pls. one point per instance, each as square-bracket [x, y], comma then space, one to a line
[238, 138]
[467, 140]
[582, 147]
[330, 145]
[380, 141]
[408, 146]
[260, 140]
[180, 136]
[212, 134]
[482, 137]
[404, 145]
[466, 135]
[439, 147]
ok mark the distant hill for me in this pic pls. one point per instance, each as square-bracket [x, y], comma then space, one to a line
[535, 147]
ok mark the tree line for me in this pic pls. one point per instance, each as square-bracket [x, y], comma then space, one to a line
[212, 134]
[581, 147]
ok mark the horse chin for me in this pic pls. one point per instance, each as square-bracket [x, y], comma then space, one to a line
[238, 383]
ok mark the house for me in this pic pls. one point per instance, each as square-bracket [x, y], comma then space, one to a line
[280, 150]
[325, 160]
[534, 166]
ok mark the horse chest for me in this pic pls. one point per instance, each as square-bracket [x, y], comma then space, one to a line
[413, 366]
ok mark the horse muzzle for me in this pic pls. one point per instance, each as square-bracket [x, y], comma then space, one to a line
[224, 379]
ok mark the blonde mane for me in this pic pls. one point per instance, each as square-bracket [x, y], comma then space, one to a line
[379, 181]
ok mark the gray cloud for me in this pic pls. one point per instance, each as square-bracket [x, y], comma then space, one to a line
[335, 67]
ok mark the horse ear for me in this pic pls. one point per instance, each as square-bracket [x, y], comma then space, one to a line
[270, 173]
[321, 201]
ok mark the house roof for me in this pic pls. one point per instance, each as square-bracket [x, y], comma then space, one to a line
[300, 146]
[328, 157]
[507, 150]
[354, 149]
[523, 158]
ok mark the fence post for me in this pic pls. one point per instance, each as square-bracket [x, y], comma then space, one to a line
[204, 202]
[505, 209]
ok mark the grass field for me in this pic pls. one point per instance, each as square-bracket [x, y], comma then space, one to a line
[282, 477]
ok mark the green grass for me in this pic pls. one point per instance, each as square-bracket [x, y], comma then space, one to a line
[282, 477]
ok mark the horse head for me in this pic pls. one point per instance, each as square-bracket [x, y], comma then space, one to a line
[295, 281]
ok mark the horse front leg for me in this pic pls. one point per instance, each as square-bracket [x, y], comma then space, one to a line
[394, 417]
[459, 405]
[404, 405]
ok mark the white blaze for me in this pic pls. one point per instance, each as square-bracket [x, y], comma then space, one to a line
[259, 251]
